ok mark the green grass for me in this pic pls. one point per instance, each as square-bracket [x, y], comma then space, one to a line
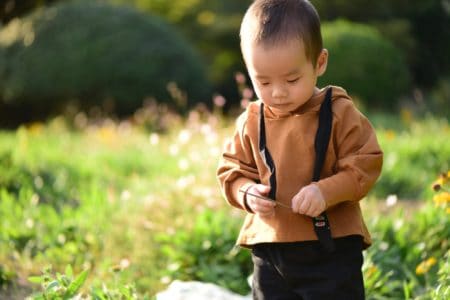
[143, 208]
[413, 154]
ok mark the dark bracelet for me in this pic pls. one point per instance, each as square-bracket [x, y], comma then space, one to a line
[247, 207]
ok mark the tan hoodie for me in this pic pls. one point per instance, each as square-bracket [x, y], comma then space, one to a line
[352, 165]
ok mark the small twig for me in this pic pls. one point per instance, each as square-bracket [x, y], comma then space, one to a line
[266, 198]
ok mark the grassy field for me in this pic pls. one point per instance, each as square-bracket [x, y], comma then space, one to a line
[136, 204]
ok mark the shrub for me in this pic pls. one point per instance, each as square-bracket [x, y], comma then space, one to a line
[365, 64]
[95, 52]
[409, 258]
[411, 157]
[207, 252]
[68, 286]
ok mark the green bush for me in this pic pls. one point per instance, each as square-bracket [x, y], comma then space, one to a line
[96, 53]
[207, 252]
[68, 286]
[411, 157]
[409, 257]
[365, 64]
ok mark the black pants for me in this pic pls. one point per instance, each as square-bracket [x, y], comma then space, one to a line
[305, 271]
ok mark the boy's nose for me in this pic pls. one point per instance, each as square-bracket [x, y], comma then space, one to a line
[279, 92]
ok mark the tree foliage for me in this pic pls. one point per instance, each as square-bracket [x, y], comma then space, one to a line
[10, 9]
[92, 52]
[213, 27]
[364, 63]
[420, 29]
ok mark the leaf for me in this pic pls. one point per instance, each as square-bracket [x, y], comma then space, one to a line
[52, 285]
[98, 294]
[76, 284]
[35, 279]
[125, 291]
[37, 296]
[65, 280]
[69, 271]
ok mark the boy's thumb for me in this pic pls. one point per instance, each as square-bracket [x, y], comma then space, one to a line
[263, 189]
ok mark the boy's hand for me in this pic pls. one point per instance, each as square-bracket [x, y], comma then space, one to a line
[261, 207]
[309, 201]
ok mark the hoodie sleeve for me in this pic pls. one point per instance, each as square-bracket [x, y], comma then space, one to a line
[237, 168]
[359, 157]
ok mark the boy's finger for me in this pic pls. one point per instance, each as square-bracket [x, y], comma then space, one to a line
[262, 209]
[311, 211]
[296, 203]
[305, 206]
[262, 189]
[265, 203]
[300, 198]
[314, 213]
[260, 204]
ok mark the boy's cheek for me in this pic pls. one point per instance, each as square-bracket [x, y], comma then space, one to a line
[258, 92]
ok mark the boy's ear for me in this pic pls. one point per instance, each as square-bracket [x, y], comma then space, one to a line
[322, 62]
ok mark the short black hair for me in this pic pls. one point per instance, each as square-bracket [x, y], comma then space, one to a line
[270, 22]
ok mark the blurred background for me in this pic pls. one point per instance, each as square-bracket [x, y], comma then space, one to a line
[114, 54]
[113, 115]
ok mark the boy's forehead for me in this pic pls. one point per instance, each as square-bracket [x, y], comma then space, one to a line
[254, 51]
[283, 59]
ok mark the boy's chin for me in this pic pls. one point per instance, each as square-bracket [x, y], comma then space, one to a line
[287, 108]
[282, 109]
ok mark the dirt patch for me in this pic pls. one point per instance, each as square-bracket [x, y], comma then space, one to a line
[16, 291]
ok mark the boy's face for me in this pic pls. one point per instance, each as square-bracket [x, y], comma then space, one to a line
[282, 76]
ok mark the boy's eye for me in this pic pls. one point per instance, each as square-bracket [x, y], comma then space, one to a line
[293, 80]
[265, 83]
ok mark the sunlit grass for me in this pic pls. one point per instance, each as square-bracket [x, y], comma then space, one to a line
[97, 194]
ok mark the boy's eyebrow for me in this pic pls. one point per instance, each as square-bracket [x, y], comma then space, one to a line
[292, 72]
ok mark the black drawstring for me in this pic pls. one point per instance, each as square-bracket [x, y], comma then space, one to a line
[321, 224]
[267, 158]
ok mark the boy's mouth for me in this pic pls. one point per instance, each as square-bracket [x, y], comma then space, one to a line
[280, 105]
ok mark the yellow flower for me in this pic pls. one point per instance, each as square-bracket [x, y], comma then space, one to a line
[36, 128]
[436, 186]
[371, 270]
[443, 178]
[441, 181]
[206, 17]
[425, 266]
[390, 134]
[407, 116]
[442, 198]
[107, 134]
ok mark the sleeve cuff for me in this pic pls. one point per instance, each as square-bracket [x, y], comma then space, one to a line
[338, 188]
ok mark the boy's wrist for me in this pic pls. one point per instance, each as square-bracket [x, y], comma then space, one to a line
[322, 194]
[239, 191]
[246, 206]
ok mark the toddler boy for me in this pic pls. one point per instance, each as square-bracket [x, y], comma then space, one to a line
[299, 162]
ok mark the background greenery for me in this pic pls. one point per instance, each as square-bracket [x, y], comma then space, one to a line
[106, 193]
[409, 45]
[82, 45]
[365, 63]
[419, 29]
[138, 208]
